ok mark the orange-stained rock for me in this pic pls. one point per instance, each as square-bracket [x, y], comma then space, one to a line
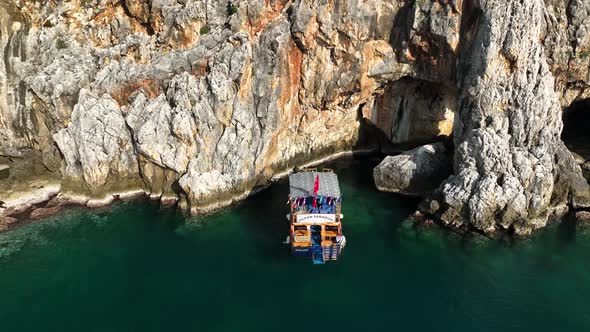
[583, 216]
[139, 9]
[39, 213]
[207, 99]
[150, 88]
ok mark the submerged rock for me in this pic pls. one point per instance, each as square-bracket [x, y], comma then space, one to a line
[583, 216]
[6, 222]
[416, 172]
[44, 212]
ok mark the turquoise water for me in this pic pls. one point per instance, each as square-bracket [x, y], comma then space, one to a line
[138, 267]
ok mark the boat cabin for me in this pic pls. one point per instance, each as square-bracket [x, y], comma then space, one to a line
[315, 215]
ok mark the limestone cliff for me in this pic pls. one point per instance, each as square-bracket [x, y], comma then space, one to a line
[201, 102]
[511, 168]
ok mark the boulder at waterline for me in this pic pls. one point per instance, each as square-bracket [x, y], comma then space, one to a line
[416, 172]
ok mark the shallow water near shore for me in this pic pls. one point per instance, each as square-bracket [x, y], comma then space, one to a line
[137, 267]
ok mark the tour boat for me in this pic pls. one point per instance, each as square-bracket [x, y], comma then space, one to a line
[315, 217]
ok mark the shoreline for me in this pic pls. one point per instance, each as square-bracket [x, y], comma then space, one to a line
[50, 200]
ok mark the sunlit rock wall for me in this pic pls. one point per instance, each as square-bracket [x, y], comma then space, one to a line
[512, 171]
[189, 100]
[203, 101]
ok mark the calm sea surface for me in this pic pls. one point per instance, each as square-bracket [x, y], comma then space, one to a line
[137, 267]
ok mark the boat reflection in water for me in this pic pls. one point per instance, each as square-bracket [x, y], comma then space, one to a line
[316, 221]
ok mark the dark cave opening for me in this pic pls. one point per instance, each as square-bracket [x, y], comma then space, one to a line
[576, 128]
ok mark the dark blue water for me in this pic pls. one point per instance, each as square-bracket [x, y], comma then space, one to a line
[137, 267]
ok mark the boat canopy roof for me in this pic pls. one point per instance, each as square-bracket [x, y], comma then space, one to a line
[301, 184]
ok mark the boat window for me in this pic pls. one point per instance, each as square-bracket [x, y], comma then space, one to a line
[331, 228]
[300, 230]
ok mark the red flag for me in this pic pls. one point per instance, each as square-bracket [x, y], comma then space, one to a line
[316, 187]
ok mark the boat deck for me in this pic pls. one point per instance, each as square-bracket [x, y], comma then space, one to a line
[315, 202]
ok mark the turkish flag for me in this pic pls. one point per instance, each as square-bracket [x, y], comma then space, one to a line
[316, 187]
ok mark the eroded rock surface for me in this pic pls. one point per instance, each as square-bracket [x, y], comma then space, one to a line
[97, 145]
[414, 111]
[416, 172]
[193, 101]
[566, 37]
[202, 101]
[511, 168]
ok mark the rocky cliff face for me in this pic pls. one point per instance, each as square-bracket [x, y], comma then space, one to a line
[511, 168]
[202, 101]
[565, 35]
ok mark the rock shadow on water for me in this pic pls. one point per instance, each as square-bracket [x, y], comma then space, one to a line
[566, 232]
[259, 224]
[263, 216]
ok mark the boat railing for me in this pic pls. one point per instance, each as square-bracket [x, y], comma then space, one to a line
[315, 169]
